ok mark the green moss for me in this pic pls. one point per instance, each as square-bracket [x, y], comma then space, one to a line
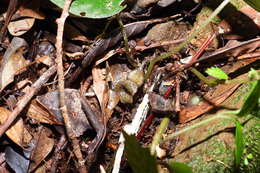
[214, 159]
[252, 142]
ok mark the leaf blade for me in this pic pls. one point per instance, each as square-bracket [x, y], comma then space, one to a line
[93, 9]
[139, 158]
[239, 141]
[216, 73]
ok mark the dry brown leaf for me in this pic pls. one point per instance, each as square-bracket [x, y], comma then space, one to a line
[20, 26]
[17, 133]
[40, 113]
[192, 112]
[31, 9]
[44, 146]
[99, 84]
[101, 90]
[12, 62]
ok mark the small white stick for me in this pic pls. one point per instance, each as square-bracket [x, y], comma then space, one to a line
[133, 127]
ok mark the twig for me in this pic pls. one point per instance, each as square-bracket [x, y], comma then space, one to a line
[57, 153]
[190, 37]
[26, 98]
[12, 7]
[59, 54]
[177, 94]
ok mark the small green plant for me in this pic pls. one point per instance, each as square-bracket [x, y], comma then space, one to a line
[93, 8]
[142, 161]
[217, 73]
[250, 106]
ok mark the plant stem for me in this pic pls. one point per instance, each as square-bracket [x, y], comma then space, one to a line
[158, 135]
[209, 82]
[220, 115]
[190, 37]
[127, 49]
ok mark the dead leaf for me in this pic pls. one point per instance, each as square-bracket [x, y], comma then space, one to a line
[20, 26]
[17, 133]
[99, 84]
[192, 112]
[43, 147]
[77, 117]
[12, 62]
[72, 33]
[31, 9]
[40, 113]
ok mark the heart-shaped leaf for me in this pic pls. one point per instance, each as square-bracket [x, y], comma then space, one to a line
[93, 8]
[254, 3]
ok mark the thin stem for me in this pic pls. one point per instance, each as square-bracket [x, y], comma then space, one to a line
[158, 135]
[209, 82]
[190, 37]
[220, 115]
[127, 49]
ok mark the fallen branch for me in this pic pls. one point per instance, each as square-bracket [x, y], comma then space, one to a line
[59, 54]
[26, 98]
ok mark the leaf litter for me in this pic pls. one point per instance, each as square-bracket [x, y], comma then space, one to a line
[120, 90]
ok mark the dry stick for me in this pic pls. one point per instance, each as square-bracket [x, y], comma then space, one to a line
[59, 54]
[26, 98]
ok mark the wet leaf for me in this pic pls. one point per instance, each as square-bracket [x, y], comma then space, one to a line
[239, 140]
[139, 158]
[217, 73]
[93, 9]
[178, 167]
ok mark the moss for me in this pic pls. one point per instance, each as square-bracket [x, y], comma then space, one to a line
[252, 146]
[213, 159]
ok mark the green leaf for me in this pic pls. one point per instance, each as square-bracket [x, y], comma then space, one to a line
[251, 101]
[178, 167]
[139, 158]
[254, 3]
[93, 8]
[217, 73]
[239, 140]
